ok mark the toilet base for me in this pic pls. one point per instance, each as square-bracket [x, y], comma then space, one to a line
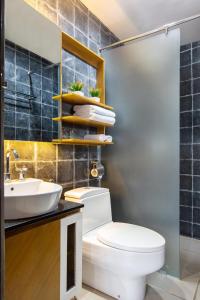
[112, 284]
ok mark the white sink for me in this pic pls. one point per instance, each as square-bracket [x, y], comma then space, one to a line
[30, 197]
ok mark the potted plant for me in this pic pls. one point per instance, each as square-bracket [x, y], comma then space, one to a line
[95, 94]
[76, 88]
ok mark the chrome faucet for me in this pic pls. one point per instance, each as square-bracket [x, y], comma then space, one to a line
[7, 176]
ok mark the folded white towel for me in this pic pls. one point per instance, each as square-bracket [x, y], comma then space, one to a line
[96, 117]
[98, 137]
[94, 109]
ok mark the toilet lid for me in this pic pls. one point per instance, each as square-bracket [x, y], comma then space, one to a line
[130, 237]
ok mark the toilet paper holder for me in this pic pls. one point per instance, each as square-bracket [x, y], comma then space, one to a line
[97, 169]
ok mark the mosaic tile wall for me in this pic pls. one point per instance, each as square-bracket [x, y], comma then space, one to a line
[190, 140]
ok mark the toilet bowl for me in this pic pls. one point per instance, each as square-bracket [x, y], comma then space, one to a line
[117, 257]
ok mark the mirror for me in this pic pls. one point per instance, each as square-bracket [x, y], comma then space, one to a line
[32, 64]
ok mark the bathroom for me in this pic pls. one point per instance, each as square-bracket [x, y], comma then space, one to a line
[100, 181]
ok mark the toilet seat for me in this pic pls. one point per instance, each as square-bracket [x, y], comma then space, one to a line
[130, 237]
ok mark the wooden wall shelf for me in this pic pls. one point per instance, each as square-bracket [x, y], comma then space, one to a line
[81, 121]
[77, 49]
[80, 100]
[81, 142]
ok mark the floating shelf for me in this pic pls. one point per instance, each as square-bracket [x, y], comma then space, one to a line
[81, 121]
[81, 142]
[80, 100]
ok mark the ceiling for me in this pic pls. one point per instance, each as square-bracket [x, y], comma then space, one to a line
[127, 18]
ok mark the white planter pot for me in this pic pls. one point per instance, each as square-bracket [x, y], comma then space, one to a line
[78, 93]
[97, 99]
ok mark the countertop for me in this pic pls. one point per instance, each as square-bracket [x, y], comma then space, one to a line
[63, 208]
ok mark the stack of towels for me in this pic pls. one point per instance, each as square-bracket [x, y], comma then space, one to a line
[95, 113]
[99, 114]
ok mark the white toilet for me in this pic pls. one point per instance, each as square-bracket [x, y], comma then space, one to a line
[116, 256]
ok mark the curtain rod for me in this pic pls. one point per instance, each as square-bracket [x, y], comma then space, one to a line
[160, 29]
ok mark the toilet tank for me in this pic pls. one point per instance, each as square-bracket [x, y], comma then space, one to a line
[97, 206]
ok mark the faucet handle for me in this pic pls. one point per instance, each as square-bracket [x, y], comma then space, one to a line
[22, 171]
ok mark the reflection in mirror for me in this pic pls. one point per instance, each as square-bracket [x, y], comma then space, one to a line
[32, 67]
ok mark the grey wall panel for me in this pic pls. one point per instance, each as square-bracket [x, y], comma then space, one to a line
[142, 83]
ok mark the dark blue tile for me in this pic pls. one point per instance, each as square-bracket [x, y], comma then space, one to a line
[186, 151]
[196, 167]
[185, 88]
[185, 47]
[35, 66]
[35, 135]
[55, 112]
[9, 118]
[196, 55]
[196, 135]
[66, 9]
[47, 98]
[185, 213]
[196, 151]
[47, 136]
[186, 103]
[186, 167]
[196, 215]
[36, 81]
[81, 67]
[22, 60]
[81, 37]
[22, 76]
[47, 124]
[9, 55]
[196, 200]
[35, 109]
[47, 85]
[196, 231]
[196, 102]
[22, 120]
[196, 183]
[196, 86]
[186, 182]
[81, 152]
[186, 198]
[81, 20]
[186, 136]
[47, 111]
[81, 170]
[186, 119]
[196, 118]
[185, 73]
[186, 228]
[196, 44]
[185, 58]
[35, 122]
[22, 134]
[9, 133]
[94, 29]
[196, 70]
[9, 71]
[55, 127]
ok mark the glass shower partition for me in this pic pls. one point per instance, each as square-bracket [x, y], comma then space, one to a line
[142, 84]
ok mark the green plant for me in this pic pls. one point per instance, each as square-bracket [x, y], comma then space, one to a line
[94, 92]
[76, 86]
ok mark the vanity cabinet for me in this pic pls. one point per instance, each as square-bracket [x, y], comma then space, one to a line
[44, 261]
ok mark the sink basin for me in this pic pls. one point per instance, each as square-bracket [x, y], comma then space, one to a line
[30, 197]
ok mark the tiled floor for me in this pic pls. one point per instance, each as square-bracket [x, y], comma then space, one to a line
[153, 293]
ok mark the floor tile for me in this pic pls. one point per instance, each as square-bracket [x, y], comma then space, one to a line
[158, 294]
[184, 289]
[198, 293]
